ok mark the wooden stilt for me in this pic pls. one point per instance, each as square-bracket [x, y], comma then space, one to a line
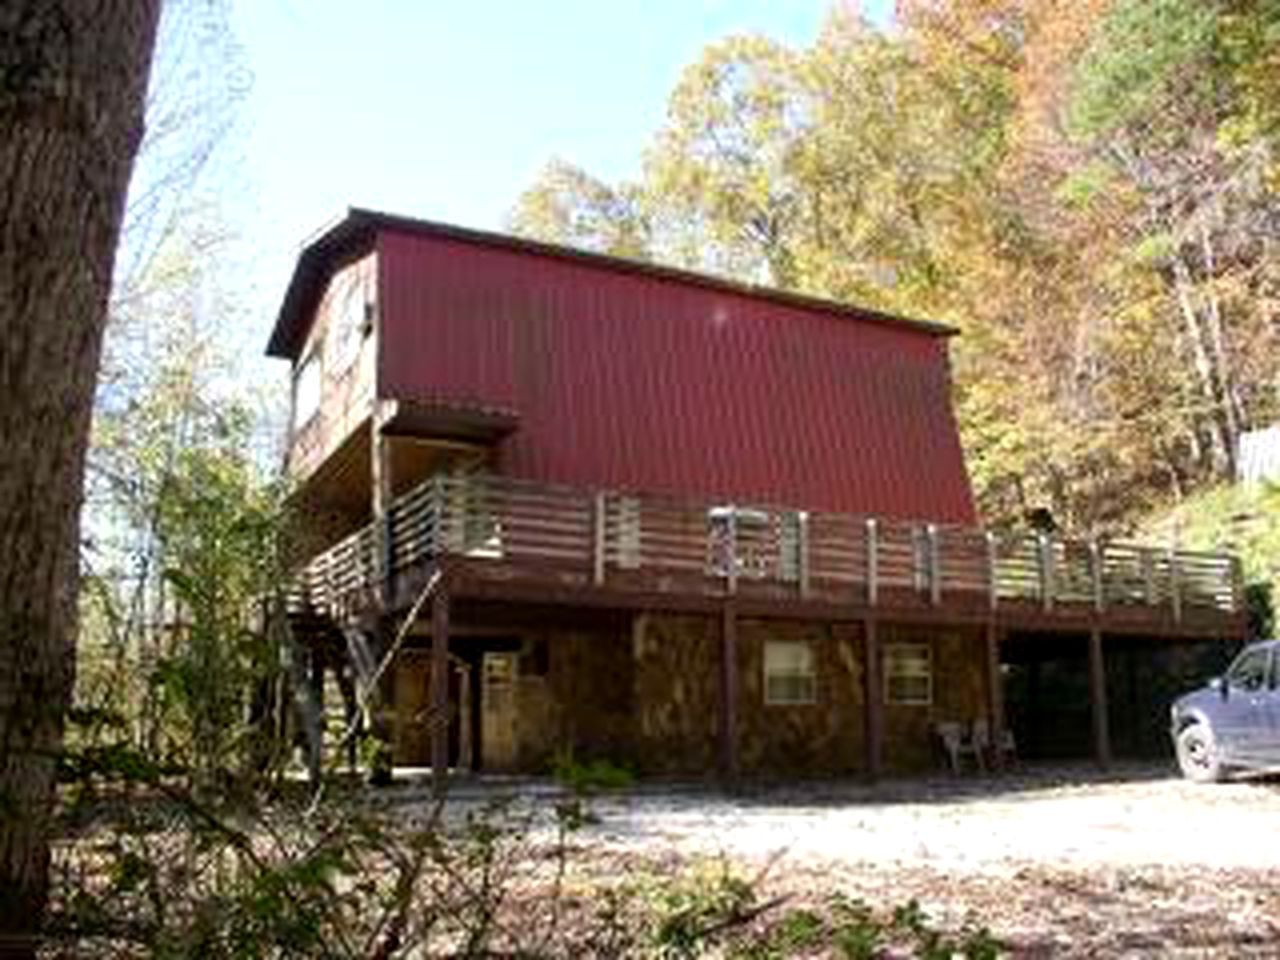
[1098, 699]
[729, 691]
[873, 700]
[440, 690]
[995, 692]
[466, 733]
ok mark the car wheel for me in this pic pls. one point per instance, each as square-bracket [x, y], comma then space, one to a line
[1198, 755]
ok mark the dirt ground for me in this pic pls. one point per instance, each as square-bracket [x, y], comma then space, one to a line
[1058, 862]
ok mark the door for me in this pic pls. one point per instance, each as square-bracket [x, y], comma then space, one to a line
[498, 712]
[411, 736]
[1242, 722]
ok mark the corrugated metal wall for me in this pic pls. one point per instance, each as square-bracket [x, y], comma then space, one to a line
[636, 382]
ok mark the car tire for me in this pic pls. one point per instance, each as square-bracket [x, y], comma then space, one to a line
[1198, 755]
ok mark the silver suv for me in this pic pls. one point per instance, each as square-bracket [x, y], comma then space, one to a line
[1233, 722]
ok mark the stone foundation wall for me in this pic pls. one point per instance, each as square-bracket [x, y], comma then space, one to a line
[821, 738]
[649, 697]
[676, 663]
[574, 693]
[959, 693]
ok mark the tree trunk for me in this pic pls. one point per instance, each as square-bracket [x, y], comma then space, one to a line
[1202, 362]
[71, 119]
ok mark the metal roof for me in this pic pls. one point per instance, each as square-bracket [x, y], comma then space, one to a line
[356, 232]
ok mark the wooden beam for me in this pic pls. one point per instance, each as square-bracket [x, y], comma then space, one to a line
[1097, 561]
[802, 553]
[1175, 585]
[873, 561]
[872, 700]
[1098, 699]
[729, 691]
[1047, 586]
[731, 533]
[993, 580]
[599, 519]
[466, 716]
[381, 493]
[935, 564]
[1148, 577]
[440, 690]
[995, 690]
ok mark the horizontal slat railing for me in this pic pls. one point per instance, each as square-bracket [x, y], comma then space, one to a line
[609, 537]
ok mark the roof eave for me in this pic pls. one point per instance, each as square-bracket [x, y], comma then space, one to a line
[359, 227]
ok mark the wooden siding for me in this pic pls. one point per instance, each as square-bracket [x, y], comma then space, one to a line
[346, 371]
[627, 379]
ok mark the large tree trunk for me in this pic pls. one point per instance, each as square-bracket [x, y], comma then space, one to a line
[71, 118]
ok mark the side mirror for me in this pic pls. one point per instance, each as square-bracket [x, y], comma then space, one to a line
[1220, 684]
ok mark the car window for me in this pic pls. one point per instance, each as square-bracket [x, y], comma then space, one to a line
[1249, 672]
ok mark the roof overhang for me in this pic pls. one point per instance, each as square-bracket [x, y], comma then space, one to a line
[451, 421]
[356, 233]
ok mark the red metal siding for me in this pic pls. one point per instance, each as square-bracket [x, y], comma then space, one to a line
[635, 382]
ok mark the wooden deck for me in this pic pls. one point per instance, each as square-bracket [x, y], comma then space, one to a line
[504, 538]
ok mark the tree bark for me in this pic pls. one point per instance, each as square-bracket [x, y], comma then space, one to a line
[71, 120]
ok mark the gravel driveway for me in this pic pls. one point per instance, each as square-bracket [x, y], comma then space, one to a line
[1058, 862]
[1068, 817]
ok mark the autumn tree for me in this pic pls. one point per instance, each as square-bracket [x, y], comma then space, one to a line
[567, 205]
[1087, 190]
[71, 120]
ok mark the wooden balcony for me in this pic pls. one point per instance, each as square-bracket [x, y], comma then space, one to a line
[505, 538]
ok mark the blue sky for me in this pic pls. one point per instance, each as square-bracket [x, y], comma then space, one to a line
[447, 110]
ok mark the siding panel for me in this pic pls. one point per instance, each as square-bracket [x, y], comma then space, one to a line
[634, 381]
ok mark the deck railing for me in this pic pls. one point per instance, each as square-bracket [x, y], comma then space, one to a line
[625, 540]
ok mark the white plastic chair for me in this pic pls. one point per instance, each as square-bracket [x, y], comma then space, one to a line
[958, 746]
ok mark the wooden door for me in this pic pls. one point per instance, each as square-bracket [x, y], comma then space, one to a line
[498, 712]
[411, 743]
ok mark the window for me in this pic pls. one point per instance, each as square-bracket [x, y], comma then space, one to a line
[306, 390]
[908, 674]
[789, 673]
[348, 319]
[1249, 672]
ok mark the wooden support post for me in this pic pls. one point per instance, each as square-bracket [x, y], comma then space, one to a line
[1098, 699]
[1097, 559]
[1047, 586]
[1148, 577]
[1175, 585]
[731, 551]
[993, 581]
[1237, 586]
[995, 691]
[599, 517]
[935, 564]
[802, 553]
[381, 490]
[872, 700]
[440, 690]
[873, 561]
[729, 691]
[466, 715]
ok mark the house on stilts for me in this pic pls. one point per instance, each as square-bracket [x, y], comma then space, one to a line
[684, 524]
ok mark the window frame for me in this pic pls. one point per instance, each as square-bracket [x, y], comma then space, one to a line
[1267, 675]
[893, 657]
[310, 360]
[809, 676]
[348, 319]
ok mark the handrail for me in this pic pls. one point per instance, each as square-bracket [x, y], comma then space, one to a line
[613, 537]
